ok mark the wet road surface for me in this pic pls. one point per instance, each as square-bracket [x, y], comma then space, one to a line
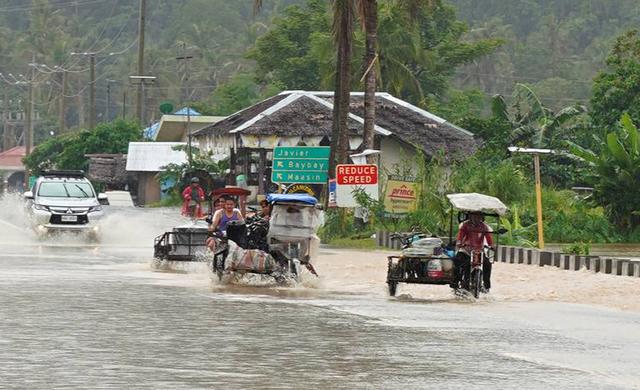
[98, 316]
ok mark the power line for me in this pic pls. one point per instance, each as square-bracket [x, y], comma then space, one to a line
[54, 6]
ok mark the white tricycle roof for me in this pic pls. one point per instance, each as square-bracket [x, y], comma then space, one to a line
[473, 202]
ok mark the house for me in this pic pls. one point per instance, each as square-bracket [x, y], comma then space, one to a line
[12, 170]
[146, 160]
[305, 118]
[176, 127]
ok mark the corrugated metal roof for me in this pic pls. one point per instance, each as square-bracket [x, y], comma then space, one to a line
[11, 159]
[152, 156]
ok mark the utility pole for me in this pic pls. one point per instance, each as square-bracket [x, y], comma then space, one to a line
[108, 111]
[185, 79]
[141, 81]
[63, 108]
[141, 22]
[92, 87]
[6, 115]
[28, 143]
[92, 90]
[124, 104]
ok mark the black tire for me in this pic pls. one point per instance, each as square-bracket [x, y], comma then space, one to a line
[476, 283]
[393, 288]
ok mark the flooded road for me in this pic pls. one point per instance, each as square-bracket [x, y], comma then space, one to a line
[98, 316]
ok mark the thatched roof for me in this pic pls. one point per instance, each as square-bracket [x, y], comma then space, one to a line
[302, 113]
[416, 126]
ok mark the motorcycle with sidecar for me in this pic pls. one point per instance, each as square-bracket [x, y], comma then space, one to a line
[427, 260]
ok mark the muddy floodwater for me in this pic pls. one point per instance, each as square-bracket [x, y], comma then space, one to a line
[78, 315]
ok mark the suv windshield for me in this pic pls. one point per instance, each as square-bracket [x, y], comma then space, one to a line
[66, 190]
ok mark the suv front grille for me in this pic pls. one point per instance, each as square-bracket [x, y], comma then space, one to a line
[57, 220]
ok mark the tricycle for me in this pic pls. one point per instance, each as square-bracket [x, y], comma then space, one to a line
[188, 242]
[291, 241]
[427, 260]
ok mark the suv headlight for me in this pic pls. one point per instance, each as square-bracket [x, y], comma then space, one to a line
[40, 207]
[95, 208]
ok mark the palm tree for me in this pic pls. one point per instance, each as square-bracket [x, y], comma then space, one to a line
[343, 13]
[368, 15]
[343, 16]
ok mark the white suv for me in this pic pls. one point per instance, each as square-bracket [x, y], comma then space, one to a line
[65, 201]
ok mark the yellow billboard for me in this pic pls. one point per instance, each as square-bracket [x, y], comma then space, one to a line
[400, 196]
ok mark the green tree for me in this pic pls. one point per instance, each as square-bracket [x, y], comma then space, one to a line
[615, 173]
[69, 151]
[617, 89]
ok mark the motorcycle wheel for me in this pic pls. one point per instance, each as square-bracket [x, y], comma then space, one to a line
[393, 287]
[476, 283]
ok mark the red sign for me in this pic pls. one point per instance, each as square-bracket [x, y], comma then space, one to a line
[352, 174]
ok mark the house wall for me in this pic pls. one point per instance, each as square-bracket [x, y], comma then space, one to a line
[394, 153]
[148, 188]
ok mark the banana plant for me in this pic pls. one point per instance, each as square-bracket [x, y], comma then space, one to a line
[532, 122]
[615, 170]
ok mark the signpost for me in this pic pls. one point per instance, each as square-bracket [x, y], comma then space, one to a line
[400, 196]
[300, 164]
[353, 177]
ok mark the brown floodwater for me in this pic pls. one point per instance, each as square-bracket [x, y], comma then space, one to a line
[79, 315]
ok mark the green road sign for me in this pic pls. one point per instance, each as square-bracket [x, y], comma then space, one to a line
[299, 177]
[300, 164]
[307, 165]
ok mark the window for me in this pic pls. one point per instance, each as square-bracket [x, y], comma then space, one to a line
[66, 190]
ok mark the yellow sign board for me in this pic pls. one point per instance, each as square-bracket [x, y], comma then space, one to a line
[401, 196]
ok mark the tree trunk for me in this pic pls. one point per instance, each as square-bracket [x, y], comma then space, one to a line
[371, 27]
[340, 130]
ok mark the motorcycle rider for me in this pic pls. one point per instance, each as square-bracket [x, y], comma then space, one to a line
[472, 236]
[193, 196]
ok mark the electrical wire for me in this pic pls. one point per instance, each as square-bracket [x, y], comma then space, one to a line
[55, 6]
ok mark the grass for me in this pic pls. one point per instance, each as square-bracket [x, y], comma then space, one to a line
[354, 243]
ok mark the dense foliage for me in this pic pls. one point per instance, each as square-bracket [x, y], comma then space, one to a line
[68, 151]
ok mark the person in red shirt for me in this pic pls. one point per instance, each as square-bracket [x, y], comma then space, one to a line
[193, 196]
[473, 235]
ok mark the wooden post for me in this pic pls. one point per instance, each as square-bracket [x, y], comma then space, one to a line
[536, 162]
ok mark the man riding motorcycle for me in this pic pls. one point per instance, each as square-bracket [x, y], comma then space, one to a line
[193, 196]
[473, 235]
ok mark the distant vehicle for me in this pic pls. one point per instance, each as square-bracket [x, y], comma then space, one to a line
[119, 199]
[65, 201]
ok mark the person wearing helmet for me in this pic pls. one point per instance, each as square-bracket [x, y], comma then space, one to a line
[193, 196]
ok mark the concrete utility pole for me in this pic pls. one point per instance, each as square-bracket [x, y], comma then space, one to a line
[141, 81]
[62, 108]
[184, 57]
[92, 86]
[92, 90]
[108, 110]
[139, 97]
[6, 115]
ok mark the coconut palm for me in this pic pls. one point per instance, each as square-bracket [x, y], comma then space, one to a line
[343, 16]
